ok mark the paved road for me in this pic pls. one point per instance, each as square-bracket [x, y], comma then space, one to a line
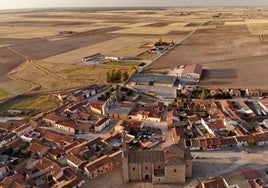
[214, 163]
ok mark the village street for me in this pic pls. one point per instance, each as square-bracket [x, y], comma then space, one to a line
[213, 163]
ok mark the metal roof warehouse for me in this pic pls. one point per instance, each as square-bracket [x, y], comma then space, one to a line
[153, 79]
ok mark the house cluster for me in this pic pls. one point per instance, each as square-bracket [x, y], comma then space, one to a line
[246, 177]
[210, 125]
[54, 153]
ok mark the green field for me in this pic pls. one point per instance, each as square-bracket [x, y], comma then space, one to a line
[4, 93]
[122, 63]
[30, 105]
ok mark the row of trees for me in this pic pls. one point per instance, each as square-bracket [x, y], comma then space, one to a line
[116, 75]
[160, 42]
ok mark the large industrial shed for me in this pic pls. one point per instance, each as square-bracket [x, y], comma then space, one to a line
[153, 79]
[192, 72]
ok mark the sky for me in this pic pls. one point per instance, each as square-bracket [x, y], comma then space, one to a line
[14, 4]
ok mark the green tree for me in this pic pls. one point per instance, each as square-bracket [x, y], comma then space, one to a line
[203, 94]
[251, 142]
[132, 70]
[124, 76]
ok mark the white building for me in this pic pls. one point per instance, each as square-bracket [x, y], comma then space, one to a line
[101, 124]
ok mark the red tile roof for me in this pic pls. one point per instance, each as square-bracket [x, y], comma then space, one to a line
[75, 159]
[217, 124]
[194, 68]
[97, 105]
[264, 102]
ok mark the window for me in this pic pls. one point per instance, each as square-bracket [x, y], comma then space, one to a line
[92, 175]
[158, 166]
[133, 168]
[146, 167]
[174, 170]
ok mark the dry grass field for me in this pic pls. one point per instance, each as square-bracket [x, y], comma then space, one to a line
[233, 39]
[232, 53]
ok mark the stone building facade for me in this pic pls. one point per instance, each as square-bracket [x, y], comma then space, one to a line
[171, 165]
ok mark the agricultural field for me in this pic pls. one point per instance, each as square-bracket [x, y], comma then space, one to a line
[232, 53]
[30, 104]
[55, 42]
[52, 76]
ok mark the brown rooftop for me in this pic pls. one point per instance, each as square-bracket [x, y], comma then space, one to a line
[104, 160]
[146, 156]
[194, 68]
[228, 140]
[217, 182]
[77, 160]
[36, 147]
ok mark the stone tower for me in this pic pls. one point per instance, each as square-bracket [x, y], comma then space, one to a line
[125, 153]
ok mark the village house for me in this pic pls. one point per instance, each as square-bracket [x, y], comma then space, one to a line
[213, 143]
[38, 149]
[193, 144]
[118, 110]
[235, 92]
[66, 126]
[7, 139]
[45, 166]
[75, 161]
[254, 92]
[52, 119]
[17, 144]
[228, 142]
[22, 129]
[264, 104]
[78, 96]
[242, 140]
[213, 183]
[97, 107]
[102, 165]
[10, 182]
[260, 139]
[61, 140]
[98, 167]
[216, 124]
[102, 123]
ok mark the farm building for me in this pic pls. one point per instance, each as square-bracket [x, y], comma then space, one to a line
[93, 57]
[192, 72]
[153, 79]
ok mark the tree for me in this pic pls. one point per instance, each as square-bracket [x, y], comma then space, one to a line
[251, 142]
[132, 70]
[203, 94]
[124, 76]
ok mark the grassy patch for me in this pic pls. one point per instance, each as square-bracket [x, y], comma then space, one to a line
[147, 56]
[122, 63]
[4, 93]
[30, 105]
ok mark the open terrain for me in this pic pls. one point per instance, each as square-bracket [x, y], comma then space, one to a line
[228, 45]
[233, 52]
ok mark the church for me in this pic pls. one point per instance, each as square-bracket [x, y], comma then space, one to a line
[170, 165]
